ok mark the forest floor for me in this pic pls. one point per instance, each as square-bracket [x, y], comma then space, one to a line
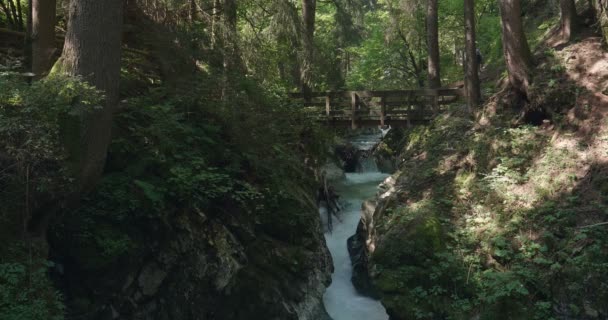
[586, 65]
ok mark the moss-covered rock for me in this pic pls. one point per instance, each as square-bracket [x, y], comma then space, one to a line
[194, 265]
[490, 223]
[413, 268]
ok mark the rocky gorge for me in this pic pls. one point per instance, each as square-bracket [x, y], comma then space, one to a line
[196, 266]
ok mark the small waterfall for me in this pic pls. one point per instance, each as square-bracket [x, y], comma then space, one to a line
[367, 163]
[341, 299]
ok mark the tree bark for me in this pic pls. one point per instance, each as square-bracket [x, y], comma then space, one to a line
[28, 37]
[309, 8]
[43, 35]
[432, 31]
[19, 14]
[17, 21]
[471, 79]
[215, 18]
[518, 57]
[230, 16]
[230, 44]
[92, 50]
[568, 18]
[193, 12]
[7, 12]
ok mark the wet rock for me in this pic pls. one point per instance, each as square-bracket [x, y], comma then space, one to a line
[360, 247]
[385, 158]
[359, 259]
[333, 172]
[386, 165]
[151, 278]
[363, 243]
[349, 155]
[205, 267]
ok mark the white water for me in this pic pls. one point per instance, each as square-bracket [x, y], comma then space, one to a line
[341, 299]
[366, 142]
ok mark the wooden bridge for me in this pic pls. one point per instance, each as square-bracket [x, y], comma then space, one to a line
[371, 108]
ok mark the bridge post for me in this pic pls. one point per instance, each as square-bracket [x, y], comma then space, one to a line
[353, 104]
[328, 106]
[435, 102]
[382, 110]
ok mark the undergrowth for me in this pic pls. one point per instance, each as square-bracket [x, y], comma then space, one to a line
[514, 210]
[173, 153]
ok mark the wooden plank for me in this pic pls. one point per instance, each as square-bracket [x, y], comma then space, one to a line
[384, 93]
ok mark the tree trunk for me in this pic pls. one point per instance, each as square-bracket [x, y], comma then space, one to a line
[43, 35]
[92, 50]
[215, 17]
[19, 14]
[7, 12]
[432, 31]
[230, 16]
[518, 57]
[28, 37]
[230, 40]
[471, 80]
[309, 8]
[568, 18]
[18, 23]
[193, 11]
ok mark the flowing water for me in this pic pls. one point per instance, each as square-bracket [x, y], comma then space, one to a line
[341, 299]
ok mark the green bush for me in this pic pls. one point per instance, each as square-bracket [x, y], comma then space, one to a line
[27, 294]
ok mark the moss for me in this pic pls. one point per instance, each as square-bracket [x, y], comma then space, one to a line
[415, 268]
[487, 224]
[59, 68]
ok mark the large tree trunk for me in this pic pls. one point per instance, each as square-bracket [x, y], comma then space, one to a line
[568, 18]
[43, 35]
[517, 53]
[471, 80]
[92, 51]
[309, 8]
[432, 32]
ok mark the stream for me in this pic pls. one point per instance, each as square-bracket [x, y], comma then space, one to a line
[341, 299]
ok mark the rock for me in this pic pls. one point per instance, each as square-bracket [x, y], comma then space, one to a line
[349, 155]
[590, 312]
[151, 278]
[333, 172]
[233, 266]
[360, 247]
[385, 158]
[386, 165]
[358, 256]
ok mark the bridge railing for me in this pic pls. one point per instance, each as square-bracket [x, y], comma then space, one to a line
[408, 105]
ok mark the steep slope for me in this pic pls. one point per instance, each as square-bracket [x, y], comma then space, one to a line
[202, 212]
[499, 219]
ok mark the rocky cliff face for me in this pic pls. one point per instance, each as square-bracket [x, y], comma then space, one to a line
[196, 266]
[363, 243]
[466, 230]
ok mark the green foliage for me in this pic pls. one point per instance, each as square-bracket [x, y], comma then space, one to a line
[182, 154]
[26, 292]
[511, 205]
[30, 115]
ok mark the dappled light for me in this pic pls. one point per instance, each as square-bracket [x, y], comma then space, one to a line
[303, 160]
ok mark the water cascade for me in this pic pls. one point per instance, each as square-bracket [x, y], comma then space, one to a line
[341, 299]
